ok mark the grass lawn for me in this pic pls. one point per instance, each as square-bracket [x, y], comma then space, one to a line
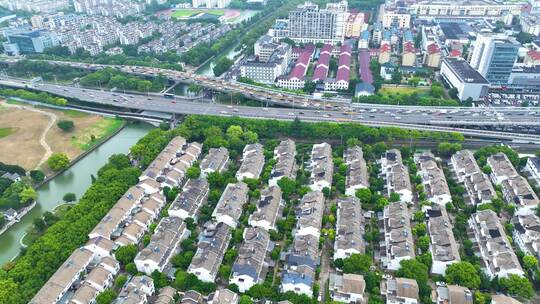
[187, 12]
[4, 132]
[404, 90]
[91, 135]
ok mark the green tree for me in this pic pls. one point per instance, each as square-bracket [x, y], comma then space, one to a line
[58, 161]
[37, 176]
[463, 274]
[446, 149]
[357, 263]
[69, 197]
[423, 243]
[530, 262]
[193, 172]
[394, 197]
[106, 297]
[364, 195]
[222, 65]
[65, 125]
[120, 281]
[28, 194]
[245, 299]
[518, 286]
[126, 254]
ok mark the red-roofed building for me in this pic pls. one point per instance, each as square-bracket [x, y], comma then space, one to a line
[433, 56]
[341, 82]
[532, 58]
[296, 78]
[454, 54]
[408, 57]
[384, 53]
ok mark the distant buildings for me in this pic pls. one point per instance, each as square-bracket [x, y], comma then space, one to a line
[26, 41]
[271, 61]
[210, 3]
[463, 9]
[38, 6]
[395, 18]
[308, 23]
[461, 76]
[354, 24]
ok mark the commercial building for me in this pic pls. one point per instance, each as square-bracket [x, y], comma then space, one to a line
[308, 23]
[188, 203]
[250, 266]
[443, 247]
[252, 162]
[349, 228]
[357, 174]
[493, 56]
[477, 185]
[211, 248]
[398, 240]
[27, 41]
[321, 167]
[347, 288]
[396, 175]
[268, 209]
[465, 79]
[285, 156]
[433, 179]
[164, 244]
[215, 161]
[494, 249]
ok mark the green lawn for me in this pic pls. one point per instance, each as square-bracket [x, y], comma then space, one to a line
[404, 90]
[4, 132]
[187, 12]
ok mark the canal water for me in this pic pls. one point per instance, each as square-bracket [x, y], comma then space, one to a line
[76, 179]
[207, 69]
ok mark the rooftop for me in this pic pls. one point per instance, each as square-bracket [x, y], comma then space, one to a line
[464, 71]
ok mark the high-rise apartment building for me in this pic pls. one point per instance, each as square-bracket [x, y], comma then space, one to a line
[308, 23]
[494, 56]
[211, 3]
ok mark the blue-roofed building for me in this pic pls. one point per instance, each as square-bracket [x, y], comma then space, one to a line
[298, 280]
[408, 36]
[363, 42]
[387, 35]
[27, 41]
[377, 33]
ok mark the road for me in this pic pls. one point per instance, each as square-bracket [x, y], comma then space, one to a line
[411, 119]
[454, 116]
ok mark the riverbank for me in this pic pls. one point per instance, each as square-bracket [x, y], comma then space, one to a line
[76, 179]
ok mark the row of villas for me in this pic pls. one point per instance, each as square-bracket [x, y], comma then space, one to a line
[396, 175]
[515, 188]
[357, 171]
[476, 183]
[91, 269]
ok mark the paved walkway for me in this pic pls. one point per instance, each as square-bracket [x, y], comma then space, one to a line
[42, 140]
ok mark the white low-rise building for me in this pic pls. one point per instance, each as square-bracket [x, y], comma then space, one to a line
[349, 228]
[433, 179]
[461, 76]
[321, 167]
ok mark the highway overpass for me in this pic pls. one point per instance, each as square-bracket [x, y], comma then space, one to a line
[157, 103]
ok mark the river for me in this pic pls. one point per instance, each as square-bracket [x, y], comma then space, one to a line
[76, 179]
